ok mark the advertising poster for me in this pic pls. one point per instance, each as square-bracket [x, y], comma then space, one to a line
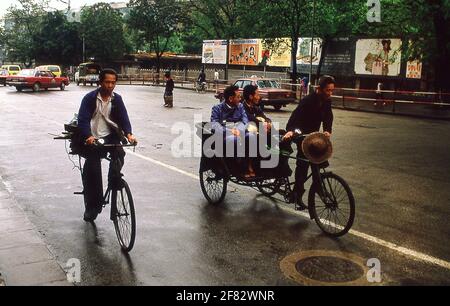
[338, 58]
[244, 52]
[378, 57]
[214, 52]
[304, 55]
[414, 70]
[276, 53]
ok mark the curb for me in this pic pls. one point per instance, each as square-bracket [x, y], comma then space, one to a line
[25, 258]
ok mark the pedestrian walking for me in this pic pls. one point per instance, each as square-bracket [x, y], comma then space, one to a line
[168, 93]
[216, 79]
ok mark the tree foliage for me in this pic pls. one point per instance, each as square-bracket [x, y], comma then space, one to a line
[21, 30]
[102, 29]
[57, 41]
[157, 24]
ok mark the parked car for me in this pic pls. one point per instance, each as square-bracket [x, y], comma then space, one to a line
[36, 79]
[88, 73]
[12, 69]
[270, 91]
[55, 69]
[3, 75]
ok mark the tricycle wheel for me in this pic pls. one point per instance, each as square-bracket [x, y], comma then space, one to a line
[269, 187]
[214, 186]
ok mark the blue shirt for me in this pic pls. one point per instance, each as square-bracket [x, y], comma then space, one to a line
[223, 113]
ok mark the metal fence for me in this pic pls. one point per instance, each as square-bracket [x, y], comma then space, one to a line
[425, 104]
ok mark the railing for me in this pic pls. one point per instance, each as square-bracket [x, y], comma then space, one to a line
[425, 104]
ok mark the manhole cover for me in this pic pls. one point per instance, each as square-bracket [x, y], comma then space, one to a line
[320, 267]
[329, 269]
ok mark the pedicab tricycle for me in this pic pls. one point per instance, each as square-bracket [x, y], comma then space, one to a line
[330, 200]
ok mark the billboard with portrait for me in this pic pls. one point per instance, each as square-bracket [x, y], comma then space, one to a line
[378, 56]
[214, 52]
[276, 52]
[244, 52]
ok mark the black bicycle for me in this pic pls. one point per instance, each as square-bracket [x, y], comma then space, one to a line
[118, 192]
[200, 87]
[330, 200]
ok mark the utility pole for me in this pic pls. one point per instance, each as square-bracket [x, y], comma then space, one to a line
[84, 51]
[66, 2]
[312, 46]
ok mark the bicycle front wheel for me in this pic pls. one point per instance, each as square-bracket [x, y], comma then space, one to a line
[123, 216]
[333, 205]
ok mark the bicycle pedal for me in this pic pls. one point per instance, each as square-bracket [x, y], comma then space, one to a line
[299, 207]
[79, 192]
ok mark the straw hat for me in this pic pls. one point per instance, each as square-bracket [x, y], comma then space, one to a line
[317, 147]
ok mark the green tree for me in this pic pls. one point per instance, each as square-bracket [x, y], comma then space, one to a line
[157, 24]
[102, 29]
[21, 26]
[426, 25]
[57, 41]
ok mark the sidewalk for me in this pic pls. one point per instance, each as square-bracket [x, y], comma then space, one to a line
[24, 257]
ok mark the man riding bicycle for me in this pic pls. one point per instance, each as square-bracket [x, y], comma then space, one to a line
[312, 111]
[102, 115]
[201, 80]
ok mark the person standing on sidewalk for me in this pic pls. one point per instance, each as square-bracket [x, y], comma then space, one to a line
[168, 93]
[216, 79]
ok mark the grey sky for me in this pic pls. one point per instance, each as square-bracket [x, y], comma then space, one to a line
[5, 4]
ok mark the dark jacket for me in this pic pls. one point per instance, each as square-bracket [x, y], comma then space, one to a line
[88, 106]
[169, 88]
[310, 114]
[222, 114]
[253, 112]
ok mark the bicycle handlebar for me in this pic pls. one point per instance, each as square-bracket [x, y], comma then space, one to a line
[101, 143]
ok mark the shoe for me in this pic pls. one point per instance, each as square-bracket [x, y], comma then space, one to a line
[166, 105]
[90, 214]
[297, 200]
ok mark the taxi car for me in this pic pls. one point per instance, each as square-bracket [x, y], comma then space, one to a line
[270, 91]
[55, 69]
[36, 79]
[12, 69]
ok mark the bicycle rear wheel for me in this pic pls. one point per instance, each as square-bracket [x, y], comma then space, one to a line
[334, 210]
[123, 216]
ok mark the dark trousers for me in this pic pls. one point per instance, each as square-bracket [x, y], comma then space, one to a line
[92, 171]
[301, 171]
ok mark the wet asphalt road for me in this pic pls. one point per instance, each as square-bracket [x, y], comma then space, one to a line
[398, 168]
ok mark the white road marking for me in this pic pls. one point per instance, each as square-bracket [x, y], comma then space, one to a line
[157, 162]
[395, 247]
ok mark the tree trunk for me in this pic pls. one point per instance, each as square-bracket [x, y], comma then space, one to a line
[294, 58]
[325, 46]
[442, 63]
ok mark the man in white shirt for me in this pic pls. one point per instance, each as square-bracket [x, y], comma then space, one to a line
[102, 115]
